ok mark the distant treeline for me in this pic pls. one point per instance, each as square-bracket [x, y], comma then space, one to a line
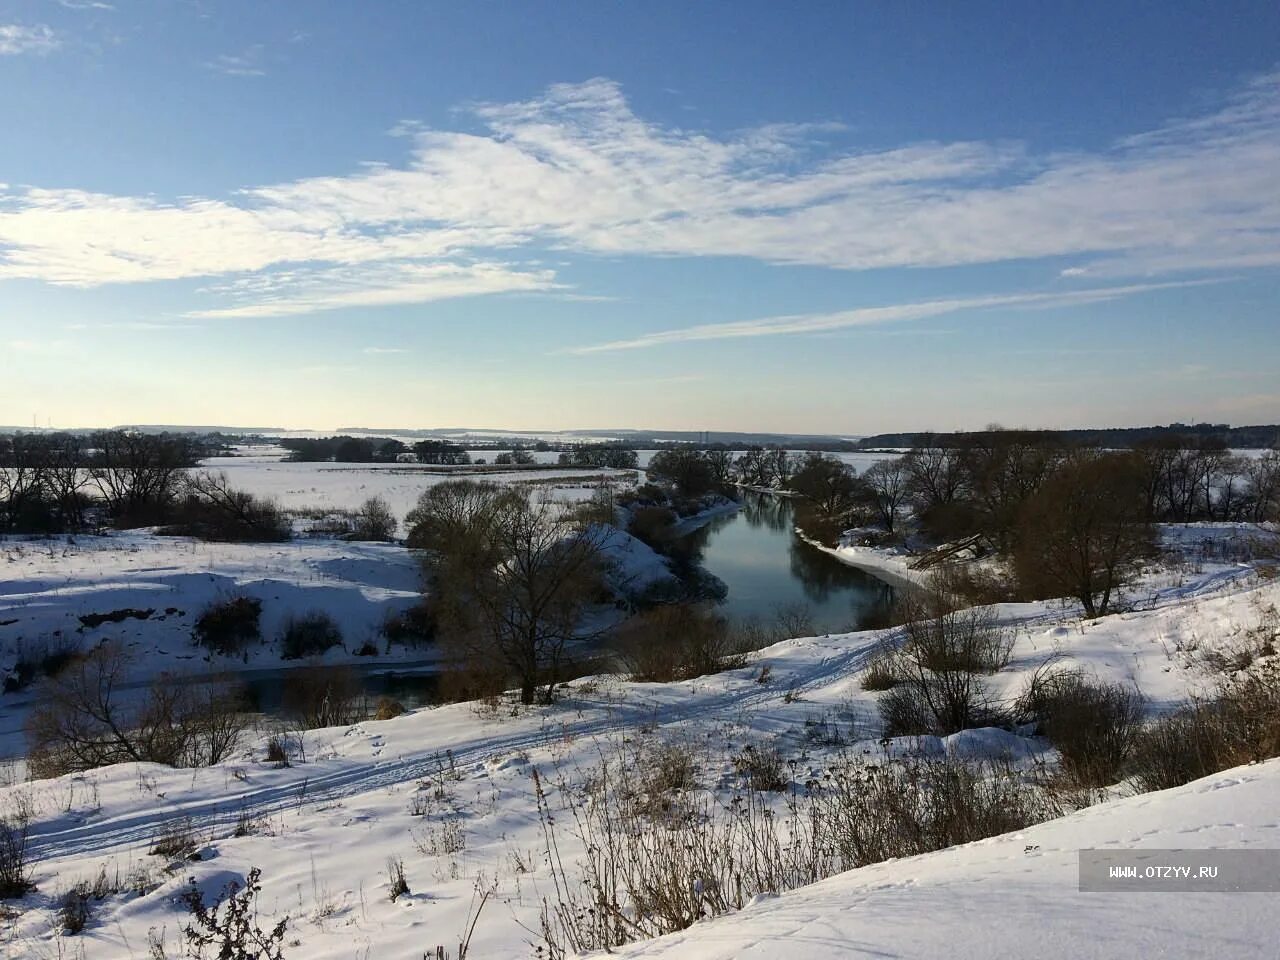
[343, 449]
[1264, 437]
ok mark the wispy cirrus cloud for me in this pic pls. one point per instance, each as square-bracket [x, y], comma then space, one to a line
[245, 64]
[291, 293]
[17, 39]
[871, 316]
[577, 170]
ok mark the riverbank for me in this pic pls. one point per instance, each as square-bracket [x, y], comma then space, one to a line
[892, 565]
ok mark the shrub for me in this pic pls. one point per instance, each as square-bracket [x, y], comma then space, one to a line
[395, 874]
[875, 813]
[74, 910]
[413, 626]
[1092, 725]
[82, 722]
[212, 510]
[880, 673]
[794, 620]
[940, 665]
[308, 635]
[278, 751]
[676, 642]
[469, 678]
[636, 881]
[320, 696]
[651, 524]
[762, 767]
[947, 640]
[50, 661]
[15, 876]
[228, 625]
[374, 521]
[387, 709]
[906, 712]
[1241, 724]
[974, 585]
[668, 768]
[175, 840]
[230, 925]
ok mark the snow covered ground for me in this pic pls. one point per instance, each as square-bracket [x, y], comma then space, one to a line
[1015, 896]
[450, 791]
[344, 486]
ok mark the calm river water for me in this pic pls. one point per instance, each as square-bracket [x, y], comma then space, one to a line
[766, 567]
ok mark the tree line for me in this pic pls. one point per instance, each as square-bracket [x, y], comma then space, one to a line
[344, 449]
[1069, 519]
[1259, 437]
[53, 483]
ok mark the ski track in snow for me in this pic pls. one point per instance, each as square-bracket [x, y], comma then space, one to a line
[105, 836]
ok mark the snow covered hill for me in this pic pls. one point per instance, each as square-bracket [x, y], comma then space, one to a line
[450, 792]
[1016, 897]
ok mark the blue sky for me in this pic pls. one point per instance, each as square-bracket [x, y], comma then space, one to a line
[812, 217]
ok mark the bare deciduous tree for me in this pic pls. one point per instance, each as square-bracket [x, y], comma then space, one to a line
[1085, 530]
[89, 718]
[137, 475]
[513, 577]
[888, 483]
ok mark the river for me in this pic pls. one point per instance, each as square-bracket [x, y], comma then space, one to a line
[767, 568]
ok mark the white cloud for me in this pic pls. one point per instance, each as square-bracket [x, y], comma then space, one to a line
[869, 316]
[247, 64]
[575, 169]
[278, 295]
[85, 5]
[380, 351]
[16, 39]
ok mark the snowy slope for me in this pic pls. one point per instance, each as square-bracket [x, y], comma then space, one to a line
[450, 791]
[1016, 896]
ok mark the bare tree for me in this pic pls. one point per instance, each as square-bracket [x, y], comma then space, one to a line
[1085, 531]
[138, 474]
[1264, 486]
[67, 478]
[1005, 468]
[830, 484]
[88, 717]
[888, 482]
[936, 474]
[21, 479]
[753, 468]
[513, 577]
[215, 510]
[689, 471]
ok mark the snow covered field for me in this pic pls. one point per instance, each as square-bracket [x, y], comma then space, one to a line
[450, 791]
[344, 486]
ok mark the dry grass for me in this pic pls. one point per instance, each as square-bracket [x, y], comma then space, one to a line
[1240, 724]
[640, 879]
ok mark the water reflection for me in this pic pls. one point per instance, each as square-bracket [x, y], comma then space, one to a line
[772, 513]
[766, 567]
